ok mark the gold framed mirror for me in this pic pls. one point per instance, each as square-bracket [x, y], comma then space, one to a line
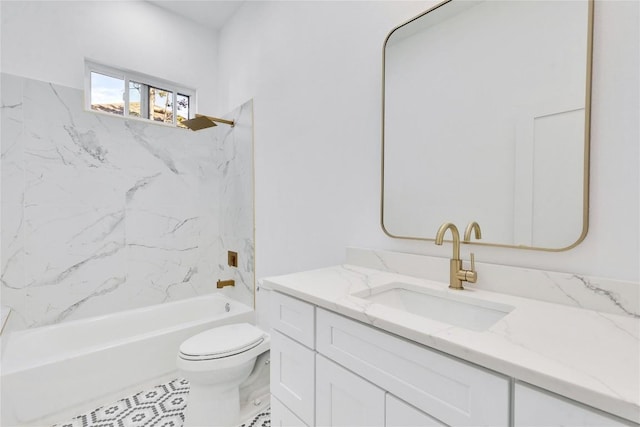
[486, 117]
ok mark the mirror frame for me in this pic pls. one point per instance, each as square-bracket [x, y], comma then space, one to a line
[587, 140]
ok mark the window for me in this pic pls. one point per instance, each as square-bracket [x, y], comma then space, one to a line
[130, 94]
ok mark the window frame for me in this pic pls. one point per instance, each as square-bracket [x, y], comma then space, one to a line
[127, 76]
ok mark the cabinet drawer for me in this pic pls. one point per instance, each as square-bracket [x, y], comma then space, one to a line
[534, 407]
[281, 416]
[293, 318]
[450, 390]
[293, 376]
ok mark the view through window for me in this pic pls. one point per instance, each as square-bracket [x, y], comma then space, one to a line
[130, 94]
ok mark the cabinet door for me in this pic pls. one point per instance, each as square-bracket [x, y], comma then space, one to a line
[534, 407]
[400, 414]
[292, 376]
[344, 399]
[454, 392]
[281, 416]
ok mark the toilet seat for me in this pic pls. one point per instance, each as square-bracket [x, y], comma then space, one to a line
[221, 342]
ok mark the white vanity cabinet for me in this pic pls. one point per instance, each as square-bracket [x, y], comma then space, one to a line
[329, 370]
[535, 407]
[292, 361]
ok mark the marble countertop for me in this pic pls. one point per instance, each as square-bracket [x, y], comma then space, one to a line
[585, 355]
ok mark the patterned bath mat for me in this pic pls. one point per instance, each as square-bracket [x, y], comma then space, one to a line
[161, 406]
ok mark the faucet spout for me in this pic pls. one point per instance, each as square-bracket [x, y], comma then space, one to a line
[455, 263]
[456, 238]
[473, 226]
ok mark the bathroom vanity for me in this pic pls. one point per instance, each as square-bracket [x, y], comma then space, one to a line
[351, 347]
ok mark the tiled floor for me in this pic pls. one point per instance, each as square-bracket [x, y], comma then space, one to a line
[161, 406]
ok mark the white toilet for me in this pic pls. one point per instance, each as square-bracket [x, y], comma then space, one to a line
[216, 362]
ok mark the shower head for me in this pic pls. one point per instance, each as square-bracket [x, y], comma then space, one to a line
[203, 122]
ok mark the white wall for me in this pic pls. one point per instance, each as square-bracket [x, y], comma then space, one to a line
[49, 40]
[314, 70]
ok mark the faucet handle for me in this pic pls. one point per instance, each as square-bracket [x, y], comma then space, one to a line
[471, 275]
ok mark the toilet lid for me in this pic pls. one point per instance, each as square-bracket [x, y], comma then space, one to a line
[222, 341]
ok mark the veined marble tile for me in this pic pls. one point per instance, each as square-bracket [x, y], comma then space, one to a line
[236, 209]
[605, 295]
[236, 204]
[11, 140]
[102, 214]
[78, 298]
[68, 146]
[199, 158]
[160, 274]
[205, 277]
[51, 103]
[163, 248]
[12, 188]
[236, 185]
[12, 247]
[12, 90]
[236, 146]
[173, 228]
[81, 187]
[161, 190]
[61, 241]
[12, 176]
[243, 274]
[160, 149]
[54, 295]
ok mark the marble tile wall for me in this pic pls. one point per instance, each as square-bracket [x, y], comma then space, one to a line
[235, 208]
[102, 214]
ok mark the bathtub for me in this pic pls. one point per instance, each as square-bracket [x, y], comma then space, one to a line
[52, 373]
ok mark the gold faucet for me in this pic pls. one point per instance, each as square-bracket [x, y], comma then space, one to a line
[457, 274]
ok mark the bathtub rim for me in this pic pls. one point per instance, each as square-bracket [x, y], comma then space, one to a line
[9, 366]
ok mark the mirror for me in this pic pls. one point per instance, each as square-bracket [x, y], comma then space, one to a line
[486, 118]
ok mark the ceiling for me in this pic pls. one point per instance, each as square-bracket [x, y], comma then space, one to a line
[210, 13]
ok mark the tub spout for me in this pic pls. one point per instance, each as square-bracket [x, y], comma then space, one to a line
[222, 283]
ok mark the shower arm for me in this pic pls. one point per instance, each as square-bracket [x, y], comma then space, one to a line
[218, 120]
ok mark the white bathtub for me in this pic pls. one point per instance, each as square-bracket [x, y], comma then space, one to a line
[58, 371]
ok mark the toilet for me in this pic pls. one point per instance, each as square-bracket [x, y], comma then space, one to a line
[217, 362]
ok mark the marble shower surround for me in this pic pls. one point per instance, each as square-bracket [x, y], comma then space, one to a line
[102, 214]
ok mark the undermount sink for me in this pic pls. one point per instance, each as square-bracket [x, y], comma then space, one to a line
[456, 310]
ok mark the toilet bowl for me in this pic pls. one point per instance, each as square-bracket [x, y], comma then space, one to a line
[216, 362]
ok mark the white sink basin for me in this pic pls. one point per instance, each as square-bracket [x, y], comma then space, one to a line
[456, 310]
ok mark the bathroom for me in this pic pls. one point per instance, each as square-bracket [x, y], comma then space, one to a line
[304, 81]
